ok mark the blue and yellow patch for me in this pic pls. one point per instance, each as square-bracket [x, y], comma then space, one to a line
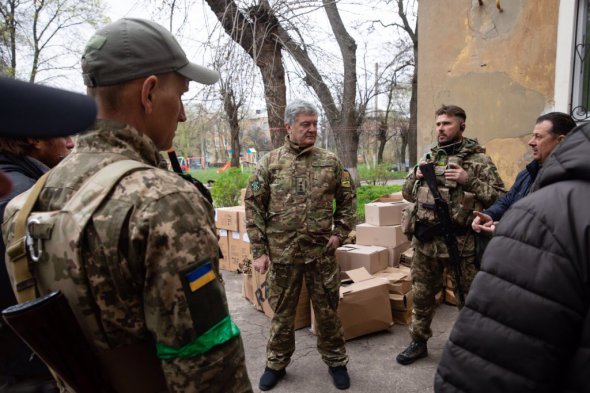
[200, 277]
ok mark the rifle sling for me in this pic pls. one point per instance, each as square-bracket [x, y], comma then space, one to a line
[24, 281]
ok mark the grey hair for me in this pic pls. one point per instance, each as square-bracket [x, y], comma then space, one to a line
[297, 107]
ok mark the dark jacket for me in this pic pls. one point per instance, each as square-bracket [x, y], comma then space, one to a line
[15, 356]
[519, 190]
[526, 323]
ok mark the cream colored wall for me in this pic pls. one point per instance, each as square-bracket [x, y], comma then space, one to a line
[498, 66]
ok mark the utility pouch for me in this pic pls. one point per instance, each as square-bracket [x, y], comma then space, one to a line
[408, 223]
[426, 232]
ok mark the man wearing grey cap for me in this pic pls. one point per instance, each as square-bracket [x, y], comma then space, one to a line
[154, 307]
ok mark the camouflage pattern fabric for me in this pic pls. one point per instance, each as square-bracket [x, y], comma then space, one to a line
[322, 279]
[138, 247]
[289, 211]
[482, 188]
[427, 275]
[290, 217]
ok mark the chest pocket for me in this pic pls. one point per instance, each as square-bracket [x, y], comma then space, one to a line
[281, 187]
[323, 180]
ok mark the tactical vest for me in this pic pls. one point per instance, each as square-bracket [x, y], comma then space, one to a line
[32, 236]
[461, 203]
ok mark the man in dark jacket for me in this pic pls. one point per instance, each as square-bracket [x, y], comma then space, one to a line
[550, 129]
[526, 324]
[24, 161]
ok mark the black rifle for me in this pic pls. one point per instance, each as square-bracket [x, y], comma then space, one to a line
[176, 168]
[447, 228]
[48, 326]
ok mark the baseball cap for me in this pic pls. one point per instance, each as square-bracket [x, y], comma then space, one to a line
[30, 110]
[132, 48]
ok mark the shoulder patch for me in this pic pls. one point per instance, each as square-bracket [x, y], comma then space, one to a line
[345, 179]
[200, 276]
[255, 185]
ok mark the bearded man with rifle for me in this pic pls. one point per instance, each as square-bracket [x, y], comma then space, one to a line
[453, 179]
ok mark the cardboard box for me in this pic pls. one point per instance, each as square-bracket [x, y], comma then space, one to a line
[224, 246]
[384, 213]
[227, 218]
[385, 236]
[402, 307]
[401, 302]
[302, 311]
[242, 219]
[394, 197]
[402, 317]
[242, 197]
[399, 281]
[354, 256]
[405, 258]
[248, 287]
[235, 250]
[450, 297]
[364, 305]
[395, 253]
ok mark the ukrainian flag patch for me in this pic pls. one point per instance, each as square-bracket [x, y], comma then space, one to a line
[200, 277]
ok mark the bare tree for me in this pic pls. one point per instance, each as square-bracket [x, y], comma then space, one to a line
[255, 30]
[43, 31]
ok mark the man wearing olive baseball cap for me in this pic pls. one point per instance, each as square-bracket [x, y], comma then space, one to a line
[154, 307]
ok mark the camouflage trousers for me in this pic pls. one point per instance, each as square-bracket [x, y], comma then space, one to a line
[322, 279]
[427, 275]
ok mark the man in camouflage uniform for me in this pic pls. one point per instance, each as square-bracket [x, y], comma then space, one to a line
[144, 245]
[468, 181]
[294, 230]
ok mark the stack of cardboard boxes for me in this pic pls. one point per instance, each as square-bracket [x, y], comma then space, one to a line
[233, 238]
[382, 226]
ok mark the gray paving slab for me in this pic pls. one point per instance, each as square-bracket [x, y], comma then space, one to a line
[372, 365]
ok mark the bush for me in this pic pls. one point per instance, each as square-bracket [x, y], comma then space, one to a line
[226, 189]
[365, 194]
[379, 174]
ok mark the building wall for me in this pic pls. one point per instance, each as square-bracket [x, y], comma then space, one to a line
[498, 66]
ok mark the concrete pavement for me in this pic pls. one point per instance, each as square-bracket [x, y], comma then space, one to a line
[372, 365]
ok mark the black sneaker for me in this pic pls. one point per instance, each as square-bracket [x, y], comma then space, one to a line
[340, 377]
[270, 378]
[416, 350]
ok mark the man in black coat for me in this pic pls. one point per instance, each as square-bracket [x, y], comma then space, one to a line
[24, 161]
[28, 110]
[549, 131]
[526, 323]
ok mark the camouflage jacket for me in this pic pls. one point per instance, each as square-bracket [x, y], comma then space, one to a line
[289, 203]
[481, 190]
[139, 248]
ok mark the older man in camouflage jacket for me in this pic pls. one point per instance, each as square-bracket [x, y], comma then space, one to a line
[468, 180]
[148, 286]
[294, 230]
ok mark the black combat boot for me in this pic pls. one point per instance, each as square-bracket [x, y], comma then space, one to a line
[270, 378]
[340, 377]
[416, 350]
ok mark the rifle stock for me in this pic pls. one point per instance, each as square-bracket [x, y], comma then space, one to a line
[446, 223]
[48, 326]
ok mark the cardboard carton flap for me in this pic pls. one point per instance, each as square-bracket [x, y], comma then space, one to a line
[358, 275]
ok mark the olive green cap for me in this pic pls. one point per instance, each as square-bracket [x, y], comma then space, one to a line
[131, 48]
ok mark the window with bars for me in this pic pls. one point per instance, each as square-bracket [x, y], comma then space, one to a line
[581, 76]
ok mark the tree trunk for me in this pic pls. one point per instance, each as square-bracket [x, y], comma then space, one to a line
[257, 36]
[232, 112]
[382, 138]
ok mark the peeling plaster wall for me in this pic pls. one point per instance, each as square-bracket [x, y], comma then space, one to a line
[498, 66]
